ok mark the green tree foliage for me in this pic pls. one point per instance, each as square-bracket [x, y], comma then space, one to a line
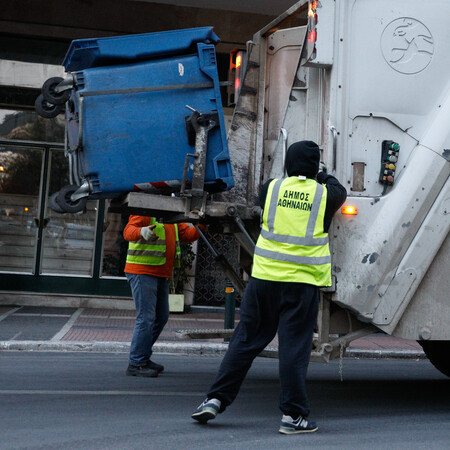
[181, 274]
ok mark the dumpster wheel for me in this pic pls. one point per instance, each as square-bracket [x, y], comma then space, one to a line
[49, 93]
[46, 109]
[54, 205]
[66, 204]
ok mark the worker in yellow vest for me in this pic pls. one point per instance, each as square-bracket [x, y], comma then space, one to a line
[153, 252]
[291, 261]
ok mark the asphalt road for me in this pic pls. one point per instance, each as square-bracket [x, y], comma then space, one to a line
[84, 401]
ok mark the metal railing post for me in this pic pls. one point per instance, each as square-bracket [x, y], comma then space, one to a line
[230, 306]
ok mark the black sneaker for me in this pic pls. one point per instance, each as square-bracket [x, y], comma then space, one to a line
[152, 365]
[299, 425]
[141, 371]
[207, 410]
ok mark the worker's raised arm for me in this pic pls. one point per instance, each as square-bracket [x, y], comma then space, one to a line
[336, 196]
[132, 231]
[188, 233]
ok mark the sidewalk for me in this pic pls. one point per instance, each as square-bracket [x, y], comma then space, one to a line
[34, 328]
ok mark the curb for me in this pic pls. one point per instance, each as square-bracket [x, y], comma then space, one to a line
[113, 347]
[186, 348]
[68, 346]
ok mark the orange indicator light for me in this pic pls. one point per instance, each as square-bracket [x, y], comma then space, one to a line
[312, 7]
[238, 60]
[349, 210]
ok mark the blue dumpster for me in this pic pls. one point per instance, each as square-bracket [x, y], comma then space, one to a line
[127, 116]
[87, 53]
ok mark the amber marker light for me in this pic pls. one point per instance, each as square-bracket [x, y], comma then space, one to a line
[349, 210]
[238, 60]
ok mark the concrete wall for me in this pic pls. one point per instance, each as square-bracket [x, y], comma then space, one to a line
[28, 75]
[64, 20]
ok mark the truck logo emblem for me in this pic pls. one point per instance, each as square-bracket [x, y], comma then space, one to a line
[407, 45]
[180, 69]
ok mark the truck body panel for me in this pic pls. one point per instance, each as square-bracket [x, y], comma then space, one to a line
[383, 80]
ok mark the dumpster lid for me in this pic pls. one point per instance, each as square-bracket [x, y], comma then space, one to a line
[96, 52]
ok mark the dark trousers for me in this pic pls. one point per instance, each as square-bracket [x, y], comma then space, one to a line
[268, 307]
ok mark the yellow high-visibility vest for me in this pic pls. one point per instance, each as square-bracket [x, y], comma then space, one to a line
[293, 246]
[153, 253]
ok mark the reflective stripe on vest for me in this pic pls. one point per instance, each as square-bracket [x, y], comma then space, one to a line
[177, 262]
[153, 253]
[303, 255]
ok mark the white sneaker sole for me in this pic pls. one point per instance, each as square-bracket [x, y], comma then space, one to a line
[286, 430]
[205, 415]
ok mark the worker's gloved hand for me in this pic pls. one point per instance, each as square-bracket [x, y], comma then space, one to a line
[322, 177]
[147, 233]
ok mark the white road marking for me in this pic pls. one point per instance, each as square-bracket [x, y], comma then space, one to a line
[181, 319]
[15, 336]
[7, 314]
[100, 393]
[41, 315]
[64, 330]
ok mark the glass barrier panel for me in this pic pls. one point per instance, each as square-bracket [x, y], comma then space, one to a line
[68, 240]
[20, 175]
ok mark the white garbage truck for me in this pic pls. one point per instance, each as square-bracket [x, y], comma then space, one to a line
[368, 80]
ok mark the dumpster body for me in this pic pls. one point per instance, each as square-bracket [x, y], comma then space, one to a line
[127, 117]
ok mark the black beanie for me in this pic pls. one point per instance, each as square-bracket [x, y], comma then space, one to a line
[303, 158]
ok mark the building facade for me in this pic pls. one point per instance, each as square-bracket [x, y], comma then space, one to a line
[77, 258]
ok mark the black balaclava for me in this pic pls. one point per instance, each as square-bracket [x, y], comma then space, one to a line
[303, 158]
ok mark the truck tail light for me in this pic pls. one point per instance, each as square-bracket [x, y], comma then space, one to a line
[320, 40]
[312, 36]
[312, 30]
[235, 75]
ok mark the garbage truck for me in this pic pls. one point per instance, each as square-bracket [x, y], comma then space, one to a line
[367, 80]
